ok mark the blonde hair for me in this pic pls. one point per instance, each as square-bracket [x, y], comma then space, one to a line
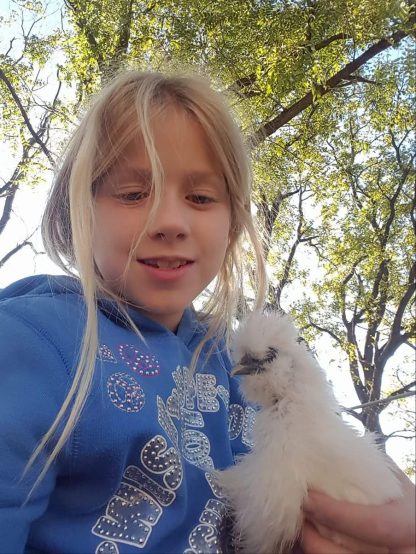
[119, 114]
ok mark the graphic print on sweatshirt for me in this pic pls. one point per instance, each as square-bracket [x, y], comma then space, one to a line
[149, 486]
[204, 537]
[124, 390]
[192, 395]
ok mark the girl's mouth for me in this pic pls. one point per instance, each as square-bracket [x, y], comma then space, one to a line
[166, 270]
[165, 263]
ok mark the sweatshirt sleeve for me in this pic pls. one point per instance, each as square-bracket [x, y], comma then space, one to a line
[34, 381]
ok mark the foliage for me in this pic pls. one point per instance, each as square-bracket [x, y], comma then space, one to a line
[365, 198]
[31, 110]
[324, 93]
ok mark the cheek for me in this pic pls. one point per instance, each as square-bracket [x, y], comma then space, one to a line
[105, 260]
[114, 230]
[110, 248]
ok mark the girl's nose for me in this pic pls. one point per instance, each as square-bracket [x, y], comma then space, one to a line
[170, 220]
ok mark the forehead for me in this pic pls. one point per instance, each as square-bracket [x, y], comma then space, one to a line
[176, 139]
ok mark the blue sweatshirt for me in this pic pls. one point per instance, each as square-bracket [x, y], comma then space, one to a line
[135, 475]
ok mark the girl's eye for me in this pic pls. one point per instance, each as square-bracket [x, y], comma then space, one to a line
[134, 196]
[201, 199]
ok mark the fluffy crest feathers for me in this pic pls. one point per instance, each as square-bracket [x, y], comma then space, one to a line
[260, 331]
[276, 362]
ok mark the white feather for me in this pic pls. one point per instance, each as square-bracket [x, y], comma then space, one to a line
[300, 442]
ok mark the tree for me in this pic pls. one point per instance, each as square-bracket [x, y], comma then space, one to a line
[364, 234]
[30, 108]
[347, 201]
[311, 85]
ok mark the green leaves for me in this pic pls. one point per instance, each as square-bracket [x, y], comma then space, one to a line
[333, 161]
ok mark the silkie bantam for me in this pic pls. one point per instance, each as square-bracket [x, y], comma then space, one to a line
[300, 441]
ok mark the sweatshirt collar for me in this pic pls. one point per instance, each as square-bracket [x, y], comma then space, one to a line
[189, 325]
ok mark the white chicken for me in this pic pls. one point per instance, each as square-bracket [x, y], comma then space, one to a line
[300, 441]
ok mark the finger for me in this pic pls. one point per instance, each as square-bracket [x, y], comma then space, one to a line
[378, 525]
[313, 543]
[297, 548]
[350, 543]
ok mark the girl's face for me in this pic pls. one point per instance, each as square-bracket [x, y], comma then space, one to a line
[185, 243]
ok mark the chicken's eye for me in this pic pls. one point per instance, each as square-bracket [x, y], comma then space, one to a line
[271, 355]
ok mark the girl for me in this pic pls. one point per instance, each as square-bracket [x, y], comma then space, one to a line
[150, 205]
[116, 399]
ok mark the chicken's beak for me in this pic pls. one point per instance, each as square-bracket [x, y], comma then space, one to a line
[244, 369]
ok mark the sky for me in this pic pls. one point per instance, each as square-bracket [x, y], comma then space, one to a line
[27, 213]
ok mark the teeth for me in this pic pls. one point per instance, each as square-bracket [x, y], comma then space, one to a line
[165, 264]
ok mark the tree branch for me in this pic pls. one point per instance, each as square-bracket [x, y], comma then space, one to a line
[325, 330]
[327, 41]
[269, 215]
[124, 33]
[7, 208]
[295, 109]
[35, 135]
[382, 401]
[397, 338]
[244, 85]
[16, 249]
[83, 26]
[299, 233]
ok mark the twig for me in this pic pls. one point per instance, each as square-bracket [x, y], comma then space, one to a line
[380, 401]
[22, 110]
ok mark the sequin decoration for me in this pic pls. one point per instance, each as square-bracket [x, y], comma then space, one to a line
[165, 497]
[125, 392]
[107, 547]
[248, 426]
[216, 489]
[105, 354]
[166, 421]
[242, 421]
[129, 518]
[174, 404]
[158, 458]
[224, 394]
[204, 536]
[146, 365]
[207, 392]
[196, 448]
[235, 420]
[181, 404]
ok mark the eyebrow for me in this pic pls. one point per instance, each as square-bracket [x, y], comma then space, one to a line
[201, 175]
[128, 172]
[193, 176]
